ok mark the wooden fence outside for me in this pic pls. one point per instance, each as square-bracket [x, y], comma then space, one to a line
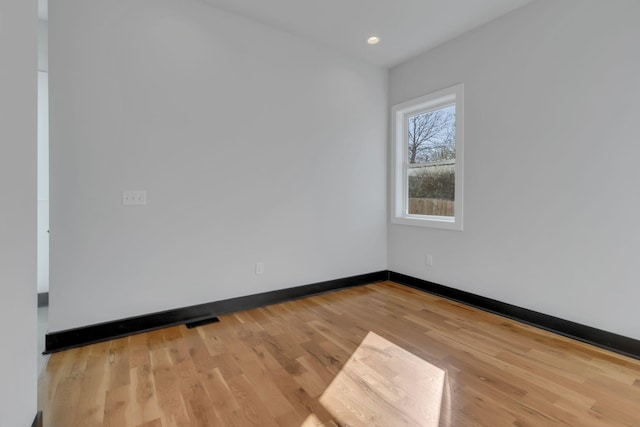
[439, 207]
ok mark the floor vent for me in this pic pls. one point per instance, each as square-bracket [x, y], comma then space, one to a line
[202, 322]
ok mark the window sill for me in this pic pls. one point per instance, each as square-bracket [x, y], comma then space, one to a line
[441, 222]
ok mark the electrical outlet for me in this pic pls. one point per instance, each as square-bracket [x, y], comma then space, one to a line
[134, 198]
[428, 260]
[259, 268]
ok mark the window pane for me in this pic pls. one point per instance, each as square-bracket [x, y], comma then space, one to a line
[431, 162]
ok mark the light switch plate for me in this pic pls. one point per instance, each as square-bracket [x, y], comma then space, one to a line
[134, 198]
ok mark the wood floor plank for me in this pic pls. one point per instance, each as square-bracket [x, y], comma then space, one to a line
[364, 356]
[118, 407]
[90, 409]
[170, 401]
[143, 394]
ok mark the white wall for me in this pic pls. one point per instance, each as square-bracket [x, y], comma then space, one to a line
[551, 162]
[18, 212]
[43, 180]
[252, 144]
[43, 45]
[43, 157]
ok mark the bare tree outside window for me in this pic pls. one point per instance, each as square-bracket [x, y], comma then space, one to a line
[432, 136]
[431, 156]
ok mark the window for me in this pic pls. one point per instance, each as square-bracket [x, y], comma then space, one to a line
[428, 160]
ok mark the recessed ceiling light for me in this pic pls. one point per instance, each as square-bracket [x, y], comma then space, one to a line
[373, 40]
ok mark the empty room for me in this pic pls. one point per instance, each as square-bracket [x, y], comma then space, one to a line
[336, 213]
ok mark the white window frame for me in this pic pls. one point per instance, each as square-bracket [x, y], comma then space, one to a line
[400, 113]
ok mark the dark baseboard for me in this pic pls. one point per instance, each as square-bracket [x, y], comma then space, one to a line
[607, 340]
[37, 421]
[203, 313]
[43, 299]
[71, 338]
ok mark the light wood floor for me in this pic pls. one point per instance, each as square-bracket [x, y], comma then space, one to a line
[377, 355]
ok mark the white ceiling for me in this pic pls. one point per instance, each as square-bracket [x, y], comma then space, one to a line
[405, 27]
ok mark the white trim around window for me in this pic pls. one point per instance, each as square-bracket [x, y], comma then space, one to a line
[400, 114]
